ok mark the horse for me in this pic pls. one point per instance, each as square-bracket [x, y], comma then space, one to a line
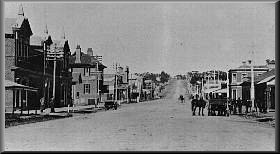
[181, 98]
[201, 103]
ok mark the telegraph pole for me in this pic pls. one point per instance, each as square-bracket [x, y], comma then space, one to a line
[97, 84]
[54, 55]
[116, 84]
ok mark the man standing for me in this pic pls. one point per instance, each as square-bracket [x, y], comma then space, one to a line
[42, 102]
[239, 104]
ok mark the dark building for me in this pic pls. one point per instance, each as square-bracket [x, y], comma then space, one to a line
[25, 63]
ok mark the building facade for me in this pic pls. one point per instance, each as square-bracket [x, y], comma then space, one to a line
[238, 75]
[26, 63]
[87, 72]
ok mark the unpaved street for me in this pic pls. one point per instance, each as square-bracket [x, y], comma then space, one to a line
[163, 124]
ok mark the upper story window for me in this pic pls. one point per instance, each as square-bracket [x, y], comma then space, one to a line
[243, 76]
[86, 88]
[234, 77]
[86, 70]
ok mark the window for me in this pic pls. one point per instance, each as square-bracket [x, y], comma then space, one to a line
[234, 77]
[86, 71]
[243, 76]
[86, 88]
[234, 94]
[77, 95]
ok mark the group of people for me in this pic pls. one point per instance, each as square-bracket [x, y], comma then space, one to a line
[237, 105]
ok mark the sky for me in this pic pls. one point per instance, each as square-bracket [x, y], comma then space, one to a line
[175, 37]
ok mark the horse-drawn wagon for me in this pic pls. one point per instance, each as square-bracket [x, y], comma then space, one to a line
[218, 107]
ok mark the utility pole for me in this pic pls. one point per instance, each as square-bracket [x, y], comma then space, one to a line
[54, 55]
[116, 84]
[96, 104]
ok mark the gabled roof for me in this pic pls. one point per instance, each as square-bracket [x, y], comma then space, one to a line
[20, 22]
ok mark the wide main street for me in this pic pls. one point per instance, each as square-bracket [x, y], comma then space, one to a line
[158, 125]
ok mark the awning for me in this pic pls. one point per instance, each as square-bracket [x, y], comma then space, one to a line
[271, 83]
[267, 79]
[10, 85]
[211, 90]
[220, 91]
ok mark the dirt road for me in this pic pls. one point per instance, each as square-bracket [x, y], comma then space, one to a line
[159, 125]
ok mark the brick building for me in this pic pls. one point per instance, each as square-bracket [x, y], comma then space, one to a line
[238, 75]
[24, 64]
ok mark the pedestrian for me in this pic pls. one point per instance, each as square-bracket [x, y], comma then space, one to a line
[42, 103]
[239, 104]
[234, 106]
[248, 105]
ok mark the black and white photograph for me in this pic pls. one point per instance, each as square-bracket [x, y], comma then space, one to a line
[139, 76]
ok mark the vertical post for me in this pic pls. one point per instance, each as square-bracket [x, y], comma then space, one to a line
[115, 92]
[252, 85]
[97, 82]
[20, 99]
[14, 101]
[53, 99]
[214, 77]
[26, 102]
[218, 79]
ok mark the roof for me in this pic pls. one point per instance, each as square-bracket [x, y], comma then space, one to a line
[17, 23]
[210, 90]
[246, 67]
[85, 59]
[265, 75]
[272, 82]
[9, 23]
[267, 79]
[12, 85]
[257, 79]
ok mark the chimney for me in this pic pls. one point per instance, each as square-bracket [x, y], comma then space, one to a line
[90, 52]
[78, 54]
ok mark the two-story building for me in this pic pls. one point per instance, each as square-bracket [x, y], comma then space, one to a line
[135, 87]
[26, 63]
[87, 73]
[238, 75]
